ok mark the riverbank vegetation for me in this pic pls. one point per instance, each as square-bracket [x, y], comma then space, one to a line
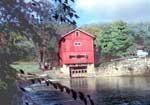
[25, 28]
[120, 39]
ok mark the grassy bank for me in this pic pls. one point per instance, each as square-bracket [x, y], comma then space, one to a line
[26, 66]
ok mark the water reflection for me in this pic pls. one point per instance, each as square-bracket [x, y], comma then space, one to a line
[104, 91]
[121, 83]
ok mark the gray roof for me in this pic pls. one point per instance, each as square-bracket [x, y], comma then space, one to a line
[78, 30]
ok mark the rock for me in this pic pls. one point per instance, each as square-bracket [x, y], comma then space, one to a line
[124, 104]
[135, 103]
[43, 75]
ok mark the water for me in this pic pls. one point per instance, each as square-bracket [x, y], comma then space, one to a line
[103, 91]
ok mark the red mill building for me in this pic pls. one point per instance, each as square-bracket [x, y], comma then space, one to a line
[76, 54]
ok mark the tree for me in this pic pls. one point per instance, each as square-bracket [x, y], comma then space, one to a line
[93, 29]
[31, 19]
[115, 41]
[141, 34]
[147, 39]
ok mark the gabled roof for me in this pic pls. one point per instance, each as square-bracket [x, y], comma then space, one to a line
[77, 29]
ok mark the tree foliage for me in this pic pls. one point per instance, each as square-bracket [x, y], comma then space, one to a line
[29, 17]
[141, 33]
[115, 40]
[35, 19]
[28, 23]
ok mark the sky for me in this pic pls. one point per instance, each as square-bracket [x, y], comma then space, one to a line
[104, 11]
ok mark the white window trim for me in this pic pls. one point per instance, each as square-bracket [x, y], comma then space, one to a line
[77, 43]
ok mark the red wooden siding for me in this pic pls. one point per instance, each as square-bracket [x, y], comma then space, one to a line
[76, 49]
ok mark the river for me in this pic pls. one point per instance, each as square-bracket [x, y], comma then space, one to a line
[103, 91]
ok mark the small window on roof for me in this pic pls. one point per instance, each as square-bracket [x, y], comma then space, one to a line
[77, 43]
[77, 33]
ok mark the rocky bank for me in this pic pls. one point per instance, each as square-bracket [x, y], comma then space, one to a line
[126, 67]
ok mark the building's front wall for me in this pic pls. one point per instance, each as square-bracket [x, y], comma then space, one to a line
[77, 54]
[71, 53]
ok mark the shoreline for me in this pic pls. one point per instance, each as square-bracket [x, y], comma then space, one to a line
[137, 67]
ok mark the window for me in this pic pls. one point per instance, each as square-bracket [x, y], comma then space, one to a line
[78, 56]
[72, 56]
[77, 34]
[77, 43]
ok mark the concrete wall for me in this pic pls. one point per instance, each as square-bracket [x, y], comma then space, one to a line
[65, 70]
[90, 70]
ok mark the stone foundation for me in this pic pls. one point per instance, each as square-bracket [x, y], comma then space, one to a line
[91, 70]
[65, 69]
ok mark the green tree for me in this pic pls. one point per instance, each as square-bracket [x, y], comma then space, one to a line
[141, 34]
[31, 18]
[93, 29]
[114, 40]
